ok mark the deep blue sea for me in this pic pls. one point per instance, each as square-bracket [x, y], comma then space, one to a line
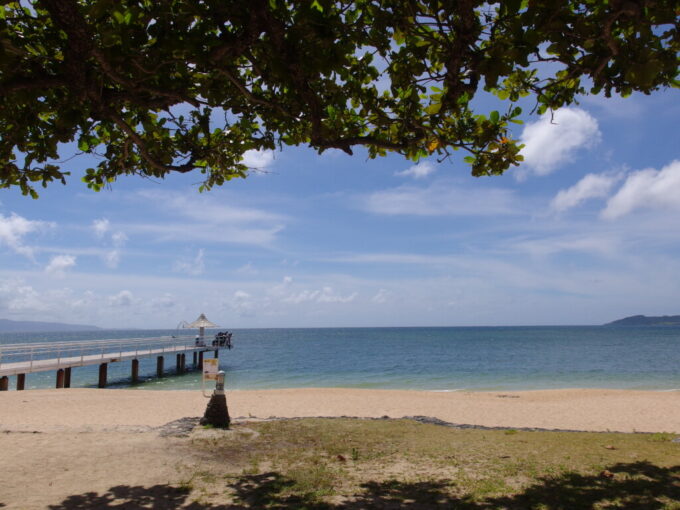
[439, 359]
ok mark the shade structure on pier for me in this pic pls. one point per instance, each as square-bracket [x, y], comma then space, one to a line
[201, 323]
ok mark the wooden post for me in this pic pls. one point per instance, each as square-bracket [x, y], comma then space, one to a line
[159, 366]
[200, 360]
[179, 363]
[67, 377]
[103, 368]
[4, 383]
[135, 370]
[195, 359]
[184, 362]
[217, 353]
[21, 381]
[60, 378]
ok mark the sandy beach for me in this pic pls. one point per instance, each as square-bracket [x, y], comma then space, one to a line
[68, 443]
[576, 409]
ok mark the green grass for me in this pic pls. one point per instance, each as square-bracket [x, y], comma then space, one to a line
[348, 464]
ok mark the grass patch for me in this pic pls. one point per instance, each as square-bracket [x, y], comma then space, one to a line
[349, 463]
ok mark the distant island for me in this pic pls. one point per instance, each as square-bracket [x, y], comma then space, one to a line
[9, 326]
[643, 320]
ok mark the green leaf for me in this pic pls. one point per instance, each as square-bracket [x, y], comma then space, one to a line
[433, 108]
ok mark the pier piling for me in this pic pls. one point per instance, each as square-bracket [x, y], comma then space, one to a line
[135, 370]
[21, 381]
[200, 360]
[60, 378]
[67, 377]
[217, 353]
[4, 383]
[184, 362]
[103, 368]
[195, 360]
[179, 363]
[159, 366]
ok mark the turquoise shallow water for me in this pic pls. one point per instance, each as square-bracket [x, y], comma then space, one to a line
[440, 359]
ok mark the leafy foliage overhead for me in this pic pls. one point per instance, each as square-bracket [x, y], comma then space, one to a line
[159, 86]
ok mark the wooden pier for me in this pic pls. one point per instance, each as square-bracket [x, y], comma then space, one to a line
[26, 358]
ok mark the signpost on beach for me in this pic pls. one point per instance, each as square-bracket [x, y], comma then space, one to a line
[210, 370]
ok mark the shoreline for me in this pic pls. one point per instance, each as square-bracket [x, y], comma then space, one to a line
[596, 410]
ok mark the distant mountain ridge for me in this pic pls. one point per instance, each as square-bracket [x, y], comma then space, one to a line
[9, 326]
[643, 320]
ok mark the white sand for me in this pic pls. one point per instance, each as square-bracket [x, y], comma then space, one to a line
[595, 410]
[89, 448]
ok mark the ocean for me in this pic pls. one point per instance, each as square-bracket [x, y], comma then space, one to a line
[434, 359]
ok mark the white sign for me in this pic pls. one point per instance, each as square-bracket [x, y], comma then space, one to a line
[210, 369]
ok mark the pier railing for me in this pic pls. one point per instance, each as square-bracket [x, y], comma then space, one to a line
[41, 356]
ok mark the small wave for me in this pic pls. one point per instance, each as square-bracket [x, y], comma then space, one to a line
[447, 391]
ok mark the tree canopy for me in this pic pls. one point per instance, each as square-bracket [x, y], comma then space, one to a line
[158, 86]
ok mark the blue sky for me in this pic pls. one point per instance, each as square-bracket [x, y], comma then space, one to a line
[584, 232]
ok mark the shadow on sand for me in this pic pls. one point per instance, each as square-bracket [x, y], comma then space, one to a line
[639, 485]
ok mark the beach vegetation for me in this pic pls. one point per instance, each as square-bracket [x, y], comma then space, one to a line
[153, 88]
[311, 463]
[662, 437]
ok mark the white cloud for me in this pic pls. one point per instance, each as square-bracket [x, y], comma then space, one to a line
[167, 300]
[247, 270]
[591, 186]
[646, 189]
[381, 297]
[419, 171]
[325, 295]
[440, 199]
[119, 239]
[259, 159]
[59, 264]
[202, 216]
[194, 267]
[552, 140]
[13, 230]
[123, 299]
[243, 304]
[112, 259]
[100, 227]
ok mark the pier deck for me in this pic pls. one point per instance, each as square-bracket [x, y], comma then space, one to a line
[26, 358]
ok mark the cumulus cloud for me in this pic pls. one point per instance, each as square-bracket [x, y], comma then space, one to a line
[260, 158]
[13, 230]
[591, 186]
[194, 267]
[243, 304]
[247, 270]
[167, 300]
[18, 297]
[419, 171]
[325, 295]
[440, 199]
[119, 239]
[59, 264]
[112, 259]
[381, 297]
[646, 189]
[553, 140]
[100, 227]
[123, 299]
